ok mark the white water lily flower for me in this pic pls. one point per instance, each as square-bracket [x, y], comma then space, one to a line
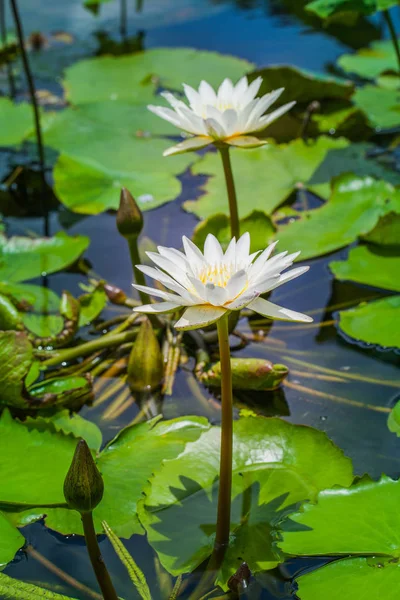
[227, 115]
[215, 282]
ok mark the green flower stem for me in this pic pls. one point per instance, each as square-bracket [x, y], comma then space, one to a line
[225, 472]
[230, 187]
[98, 564]
[106, 341]
[135, 258]
[393, 35]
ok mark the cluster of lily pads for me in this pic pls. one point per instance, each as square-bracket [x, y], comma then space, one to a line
[293, 491]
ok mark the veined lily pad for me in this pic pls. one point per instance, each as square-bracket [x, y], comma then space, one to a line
[370, 265]
[24, 258]
[16, 357]
[275, 465]
[10, 540]
[16, 122]
[354, 209]
[68, 424]
[373, 322]
[135, 77]
[370, 62]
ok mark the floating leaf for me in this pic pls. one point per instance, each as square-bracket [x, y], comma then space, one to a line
[354, 208]
[381, 105]
[10, 541]
[126, 464]
[43, 325]
[373, 322]
[16, 357]
[266, 177]
[370, 62]
[24, 258]
[16, 122]
[355, 578]
[12, 589]
[275, 464]
[33, 298]
[258, 224]
[386, 232]
[329, 8]
[135, 77]
[394, 419]
[375, 266]
[91, 305]
[68, 423]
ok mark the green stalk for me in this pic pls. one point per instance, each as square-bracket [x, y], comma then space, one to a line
[393, 35]
[230, 187]
[225, 472]
[135, 259]
[98, 564]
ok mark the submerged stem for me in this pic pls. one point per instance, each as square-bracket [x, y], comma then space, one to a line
[393, 35]
[230, 187]
[32, 94]
[98, 564]
[225, 474]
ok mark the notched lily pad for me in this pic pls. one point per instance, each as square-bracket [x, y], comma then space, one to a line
[369, 265]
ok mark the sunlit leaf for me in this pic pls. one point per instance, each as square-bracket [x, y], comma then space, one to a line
[275, 464]
[382, 106]
[16, 357]
[370, 265]
[394, 419]
[16, 122]
[354, 208]
[373, 322]
[91, 305]
[386, 232]
[10, 541]
[370, 62]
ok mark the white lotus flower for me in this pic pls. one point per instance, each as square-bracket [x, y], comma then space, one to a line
[227, 115]
[211, 284]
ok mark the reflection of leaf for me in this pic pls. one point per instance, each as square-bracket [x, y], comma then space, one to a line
[354, 208]
[370, 62]
[10, 541]
[373, 323]
[281, 464]
[379, 267]
[24, 258]
[258, 224]
[126, 464]
[355, 578]
[16, 122]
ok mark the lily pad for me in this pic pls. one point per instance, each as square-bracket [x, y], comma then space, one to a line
[11, 589]
[16, 357]
[375, 266]
[91, 305]
[10, 540]
[355, 578]
[275, 464]
[394, 420]
[126, 465]
[24, 258]
[386, 232]
[69, 424]
[266, 177]
[33, 298]
[328, 8]
[16, 122]
[354, 209]
[381, 105]
[258, 224]
[373, 323]
[135, 77]
[370, 62]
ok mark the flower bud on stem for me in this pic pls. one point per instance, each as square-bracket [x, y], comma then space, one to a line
[83, 491]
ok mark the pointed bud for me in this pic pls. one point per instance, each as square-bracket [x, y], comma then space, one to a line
[129, 215]
[248, 374]
[146, 365]
[83, 485]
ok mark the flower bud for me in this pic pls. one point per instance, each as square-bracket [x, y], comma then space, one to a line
[248, 374]
[83, 485]
[146, 365]
[129, 215]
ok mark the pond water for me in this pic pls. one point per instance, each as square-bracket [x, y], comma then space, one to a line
[352, 410]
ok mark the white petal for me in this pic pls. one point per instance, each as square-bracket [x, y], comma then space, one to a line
[243, 300]
[167, 114]
[193, 97]
[160, 294]
[252, 90]
[195, 317]
[199, 287]
[230, 121]
[212, 249]
[263, 104]
[236, 284]
[239, 90]
[174, 102]
[194, 143]
[243, 248]
[207, 94]
[288, 276]
[216, 295]
[246, 141]
[174, 255]
[225, 92]
[230, 253]
[262, 259]
[193, 123]
[268, 119]
[214, 129]
[170, 268]
[273, 311]
[194, 256]
[159, 307]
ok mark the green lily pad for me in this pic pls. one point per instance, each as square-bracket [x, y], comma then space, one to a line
[354, 209]
[91, 305]
[373, 322]
[16, 122]
[33, 298]
[10, 540]
[370, 62]
[126, 465]
[68, 423]
[16, 357]
[43, 325]
[88, 188]
[135, 77]
[386, 232]
[24, 258]
[375, 266]
[393, 422]
[275, 464]
[265, 177]
[355, 578]
[381, 105]
[258, 224]
[12, 589]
